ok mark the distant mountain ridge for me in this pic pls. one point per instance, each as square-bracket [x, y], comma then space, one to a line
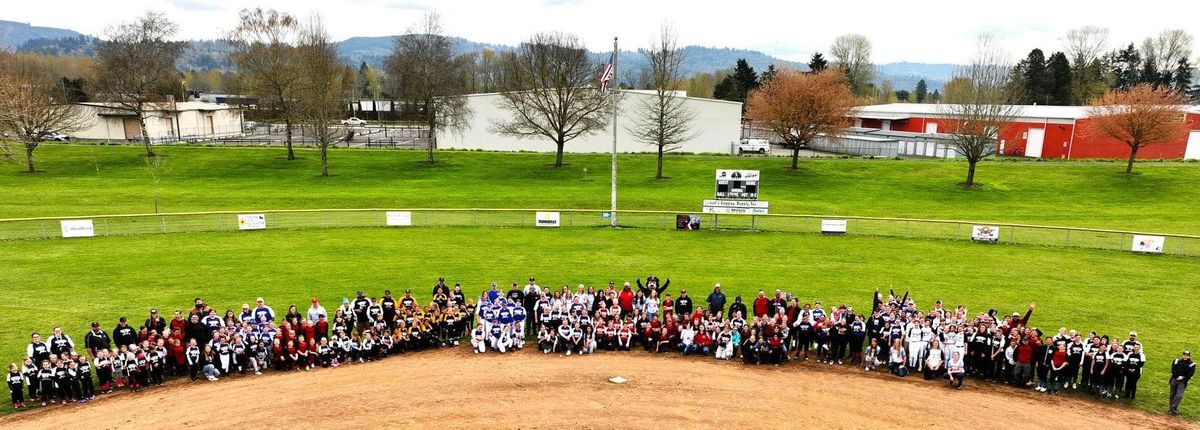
[210, 54]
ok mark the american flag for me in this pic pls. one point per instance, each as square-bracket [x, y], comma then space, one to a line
[606, 75]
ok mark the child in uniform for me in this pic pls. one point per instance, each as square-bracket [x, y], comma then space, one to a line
[16, 384]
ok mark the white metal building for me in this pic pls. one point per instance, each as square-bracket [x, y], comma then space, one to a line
[717, 125]
[189, 121]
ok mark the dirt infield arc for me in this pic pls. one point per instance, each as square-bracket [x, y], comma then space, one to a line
[458, 389]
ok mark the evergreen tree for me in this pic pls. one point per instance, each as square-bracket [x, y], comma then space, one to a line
[902, 95]
[1126, 68]
[935, 97]
[1034, 78]
[1182, 79]
[726, 89]
[767, 75]
[817, 63]
[1149, 73]
[746, 79]
[922, 91]
[1060, 80]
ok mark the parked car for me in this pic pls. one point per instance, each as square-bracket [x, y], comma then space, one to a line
[58, 137]
[753, 146]
[250, 126]
[355, 122]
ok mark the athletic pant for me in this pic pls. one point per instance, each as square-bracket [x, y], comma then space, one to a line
[916, 354]
[1131, 381]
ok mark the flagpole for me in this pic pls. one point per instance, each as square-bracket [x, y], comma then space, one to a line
[616, 99]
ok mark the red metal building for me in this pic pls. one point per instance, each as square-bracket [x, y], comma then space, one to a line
[1038, 131]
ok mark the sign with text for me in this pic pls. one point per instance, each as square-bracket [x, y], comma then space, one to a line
[687, 222]
[985, 233]
[77, 228]
[252, 222]
[546, 219]
[399, 218]
[734, 211]
[1146, 243]
[833, 226]
[737, 204]
[737, 185]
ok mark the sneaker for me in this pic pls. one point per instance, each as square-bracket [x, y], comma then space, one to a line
[1074, 386]
[568, 353]
[257, 372]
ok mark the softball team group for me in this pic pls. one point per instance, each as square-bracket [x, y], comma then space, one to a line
[938, 343]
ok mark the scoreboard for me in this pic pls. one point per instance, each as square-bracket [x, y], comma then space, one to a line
[737, 185]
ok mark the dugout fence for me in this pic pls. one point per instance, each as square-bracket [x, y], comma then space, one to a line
[42, 228]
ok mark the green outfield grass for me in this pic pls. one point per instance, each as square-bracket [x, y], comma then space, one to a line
[72, 282]
[90, 180]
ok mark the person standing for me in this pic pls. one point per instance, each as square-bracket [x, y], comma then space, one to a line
[96, 340]
[716, 301]
[1182, 370]
[123, 334]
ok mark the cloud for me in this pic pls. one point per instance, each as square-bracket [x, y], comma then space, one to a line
[562, 2]
[396, 4]
[195, 5]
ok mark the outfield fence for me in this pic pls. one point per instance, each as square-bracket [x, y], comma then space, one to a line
[194, 222]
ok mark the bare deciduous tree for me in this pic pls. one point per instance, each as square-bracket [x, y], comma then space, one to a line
[1086, 47]
[425, 71]
[33, 106]
[135, 67]
[852, 54]
[1166, 49]
[549, 89]
[664, 120]
[263, 46]
[976, 110]
[801, 107]
[321, 89]
[1138, 117]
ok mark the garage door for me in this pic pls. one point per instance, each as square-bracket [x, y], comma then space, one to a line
[1193, 147]
[133, 129]
[1033, 144]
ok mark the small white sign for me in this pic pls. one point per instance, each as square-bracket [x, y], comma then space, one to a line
[546, 219]
[399, 218]
[985, 233]
[734, 211]
[1145, 243]
[833, 226]
[736, 204]
[252, 222]
[77, 228]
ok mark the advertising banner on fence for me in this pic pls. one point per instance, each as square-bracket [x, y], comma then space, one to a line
[833, 226]
[985, 233]
[77, 228]
[399, 218]
[1145, 243]
[546, 219]
[252, 222]
[687, 222]
[734, 211]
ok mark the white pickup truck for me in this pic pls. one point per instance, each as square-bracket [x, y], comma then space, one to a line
[753, 146]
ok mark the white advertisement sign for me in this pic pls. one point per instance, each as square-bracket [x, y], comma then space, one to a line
[77, 228]
[736, 204]
[734, 211]
[546, 219]
[252, 222]
[1144, 243]
[985, 233]
[399, 218]
[833, 226]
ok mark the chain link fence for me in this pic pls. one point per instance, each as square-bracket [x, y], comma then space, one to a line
[120, 225]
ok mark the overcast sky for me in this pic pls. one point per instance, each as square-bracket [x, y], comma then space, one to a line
[922, 31]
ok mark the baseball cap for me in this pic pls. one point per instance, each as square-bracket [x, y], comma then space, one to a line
[153, 310]
[1185, 352]
[95, 324]
[345, 300]
[1133, 333]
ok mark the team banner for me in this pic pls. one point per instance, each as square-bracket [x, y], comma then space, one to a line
[546, 219]
[833, 226]
[985, 233]
[252, 221]
[77, 228]
[399, 218]
[1146, 243]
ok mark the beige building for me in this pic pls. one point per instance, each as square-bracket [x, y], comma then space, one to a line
[169, 122]
[717, 125]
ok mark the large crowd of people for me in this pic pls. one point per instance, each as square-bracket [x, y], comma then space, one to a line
[772, 328]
